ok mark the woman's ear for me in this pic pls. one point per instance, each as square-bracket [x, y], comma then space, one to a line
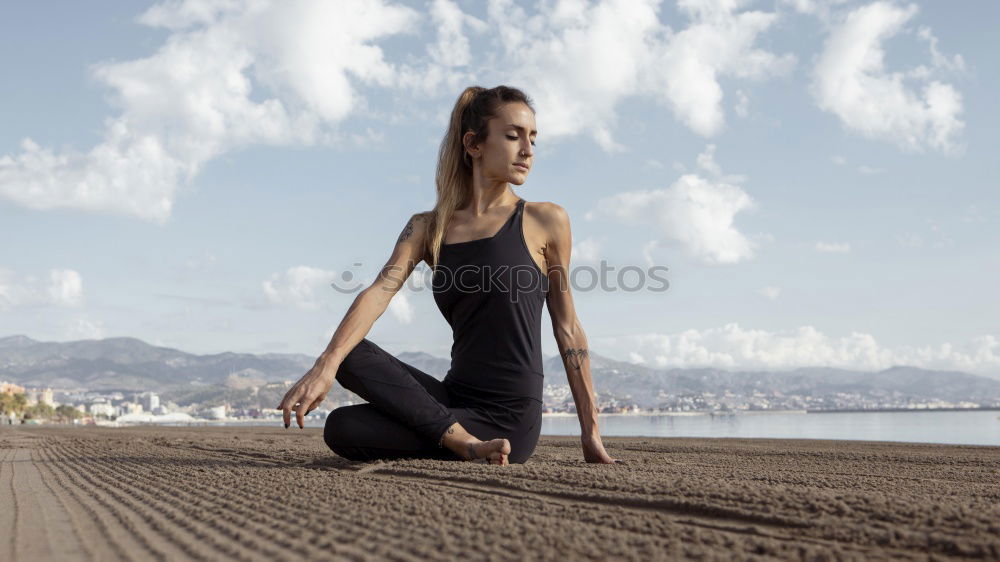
[468, 141]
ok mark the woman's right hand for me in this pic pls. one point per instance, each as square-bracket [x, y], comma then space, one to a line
[306, 394]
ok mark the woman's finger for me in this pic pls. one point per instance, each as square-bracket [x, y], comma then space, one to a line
[300, 412]
[314, 405]
[287, 405]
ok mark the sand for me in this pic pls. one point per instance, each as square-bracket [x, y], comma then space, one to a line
[253, 493]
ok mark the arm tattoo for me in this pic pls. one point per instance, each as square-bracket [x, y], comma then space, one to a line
[472, 452]
[407, 231]
[575, 356]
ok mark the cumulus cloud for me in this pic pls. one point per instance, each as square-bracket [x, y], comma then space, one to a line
[586, 58]
[401, 308]
[311, 288]
[850, 81]
[819, 8]
[62, 287]
[742, 107]
[197, 96]
[694, 212]
[586, 250]
[734, 347]
[84, 328]
[301, 286]
[237, 73]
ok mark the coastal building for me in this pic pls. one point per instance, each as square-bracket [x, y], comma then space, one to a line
[150, 401]
[102, 408]
[131, 408]
[10, 388]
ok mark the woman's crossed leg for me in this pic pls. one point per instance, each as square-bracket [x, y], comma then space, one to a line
[408, 414]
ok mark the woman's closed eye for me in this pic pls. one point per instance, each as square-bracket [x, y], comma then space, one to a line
[515, 138]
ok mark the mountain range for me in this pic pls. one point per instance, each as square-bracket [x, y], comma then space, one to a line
[132, 365]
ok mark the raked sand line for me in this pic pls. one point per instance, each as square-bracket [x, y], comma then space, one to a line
[271, 494]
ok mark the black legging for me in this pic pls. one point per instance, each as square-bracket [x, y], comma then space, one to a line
[408, 411]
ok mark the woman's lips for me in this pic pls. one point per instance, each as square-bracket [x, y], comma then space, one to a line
[519, 165]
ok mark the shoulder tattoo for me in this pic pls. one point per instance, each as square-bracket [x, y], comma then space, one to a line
[408, 229]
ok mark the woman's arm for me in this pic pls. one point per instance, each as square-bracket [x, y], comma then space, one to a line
[367, 307]
[568, 331]
[373, 301]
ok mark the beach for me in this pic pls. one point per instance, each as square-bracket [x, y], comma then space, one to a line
[256, 493]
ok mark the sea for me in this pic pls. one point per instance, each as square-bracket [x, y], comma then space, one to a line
[955, 427]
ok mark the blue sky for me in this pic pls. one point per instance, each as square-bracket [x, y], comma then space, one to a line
[817, 176]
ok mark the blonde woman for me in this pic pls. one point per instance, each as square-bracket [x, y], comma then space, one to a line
[495, 260]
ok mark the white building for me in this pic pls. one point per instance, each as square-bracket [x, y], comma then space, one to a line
[150, 401]
[131, 408]
[217, 413]
[102, 408]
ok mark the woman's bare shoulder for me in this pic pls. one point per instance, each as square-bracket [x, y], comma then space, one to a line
[547, 213]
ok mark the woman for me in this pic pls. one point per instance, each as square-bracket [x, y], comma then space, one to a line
[488, 250]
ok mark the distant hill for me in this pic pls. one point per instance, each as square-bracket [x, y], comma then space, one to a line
[129, 364]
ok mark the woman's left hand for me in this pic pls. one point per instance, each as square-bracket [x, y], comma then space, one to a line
[593, 450]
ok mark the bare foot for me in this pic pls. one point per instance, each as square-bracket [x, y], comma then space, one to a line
[494, 451]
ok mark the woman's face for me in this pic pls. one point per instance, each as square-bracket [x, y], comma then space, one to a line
[508, 152]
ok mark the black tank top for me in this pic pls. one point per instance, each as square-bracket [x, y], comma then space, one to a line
[491, 292]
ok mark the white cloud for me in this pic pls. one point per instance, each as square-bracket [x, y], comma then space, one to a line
[733, 347]
[833, 247]
[850, 81]
[451, 51]
[586, 250]
[838, 160]
[636, 358]
[819, 8]
[64, 288]
[301, 286]
[706, 161]
[938, 60]
[237, 73]
[869, 171]
[191, 101]
[83, 328]
[401, 307]
[694, 212]
[742, 107]
[586, 58]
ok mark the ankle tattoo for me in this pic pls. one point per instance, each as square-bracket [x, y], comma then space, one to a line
[449, 431]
